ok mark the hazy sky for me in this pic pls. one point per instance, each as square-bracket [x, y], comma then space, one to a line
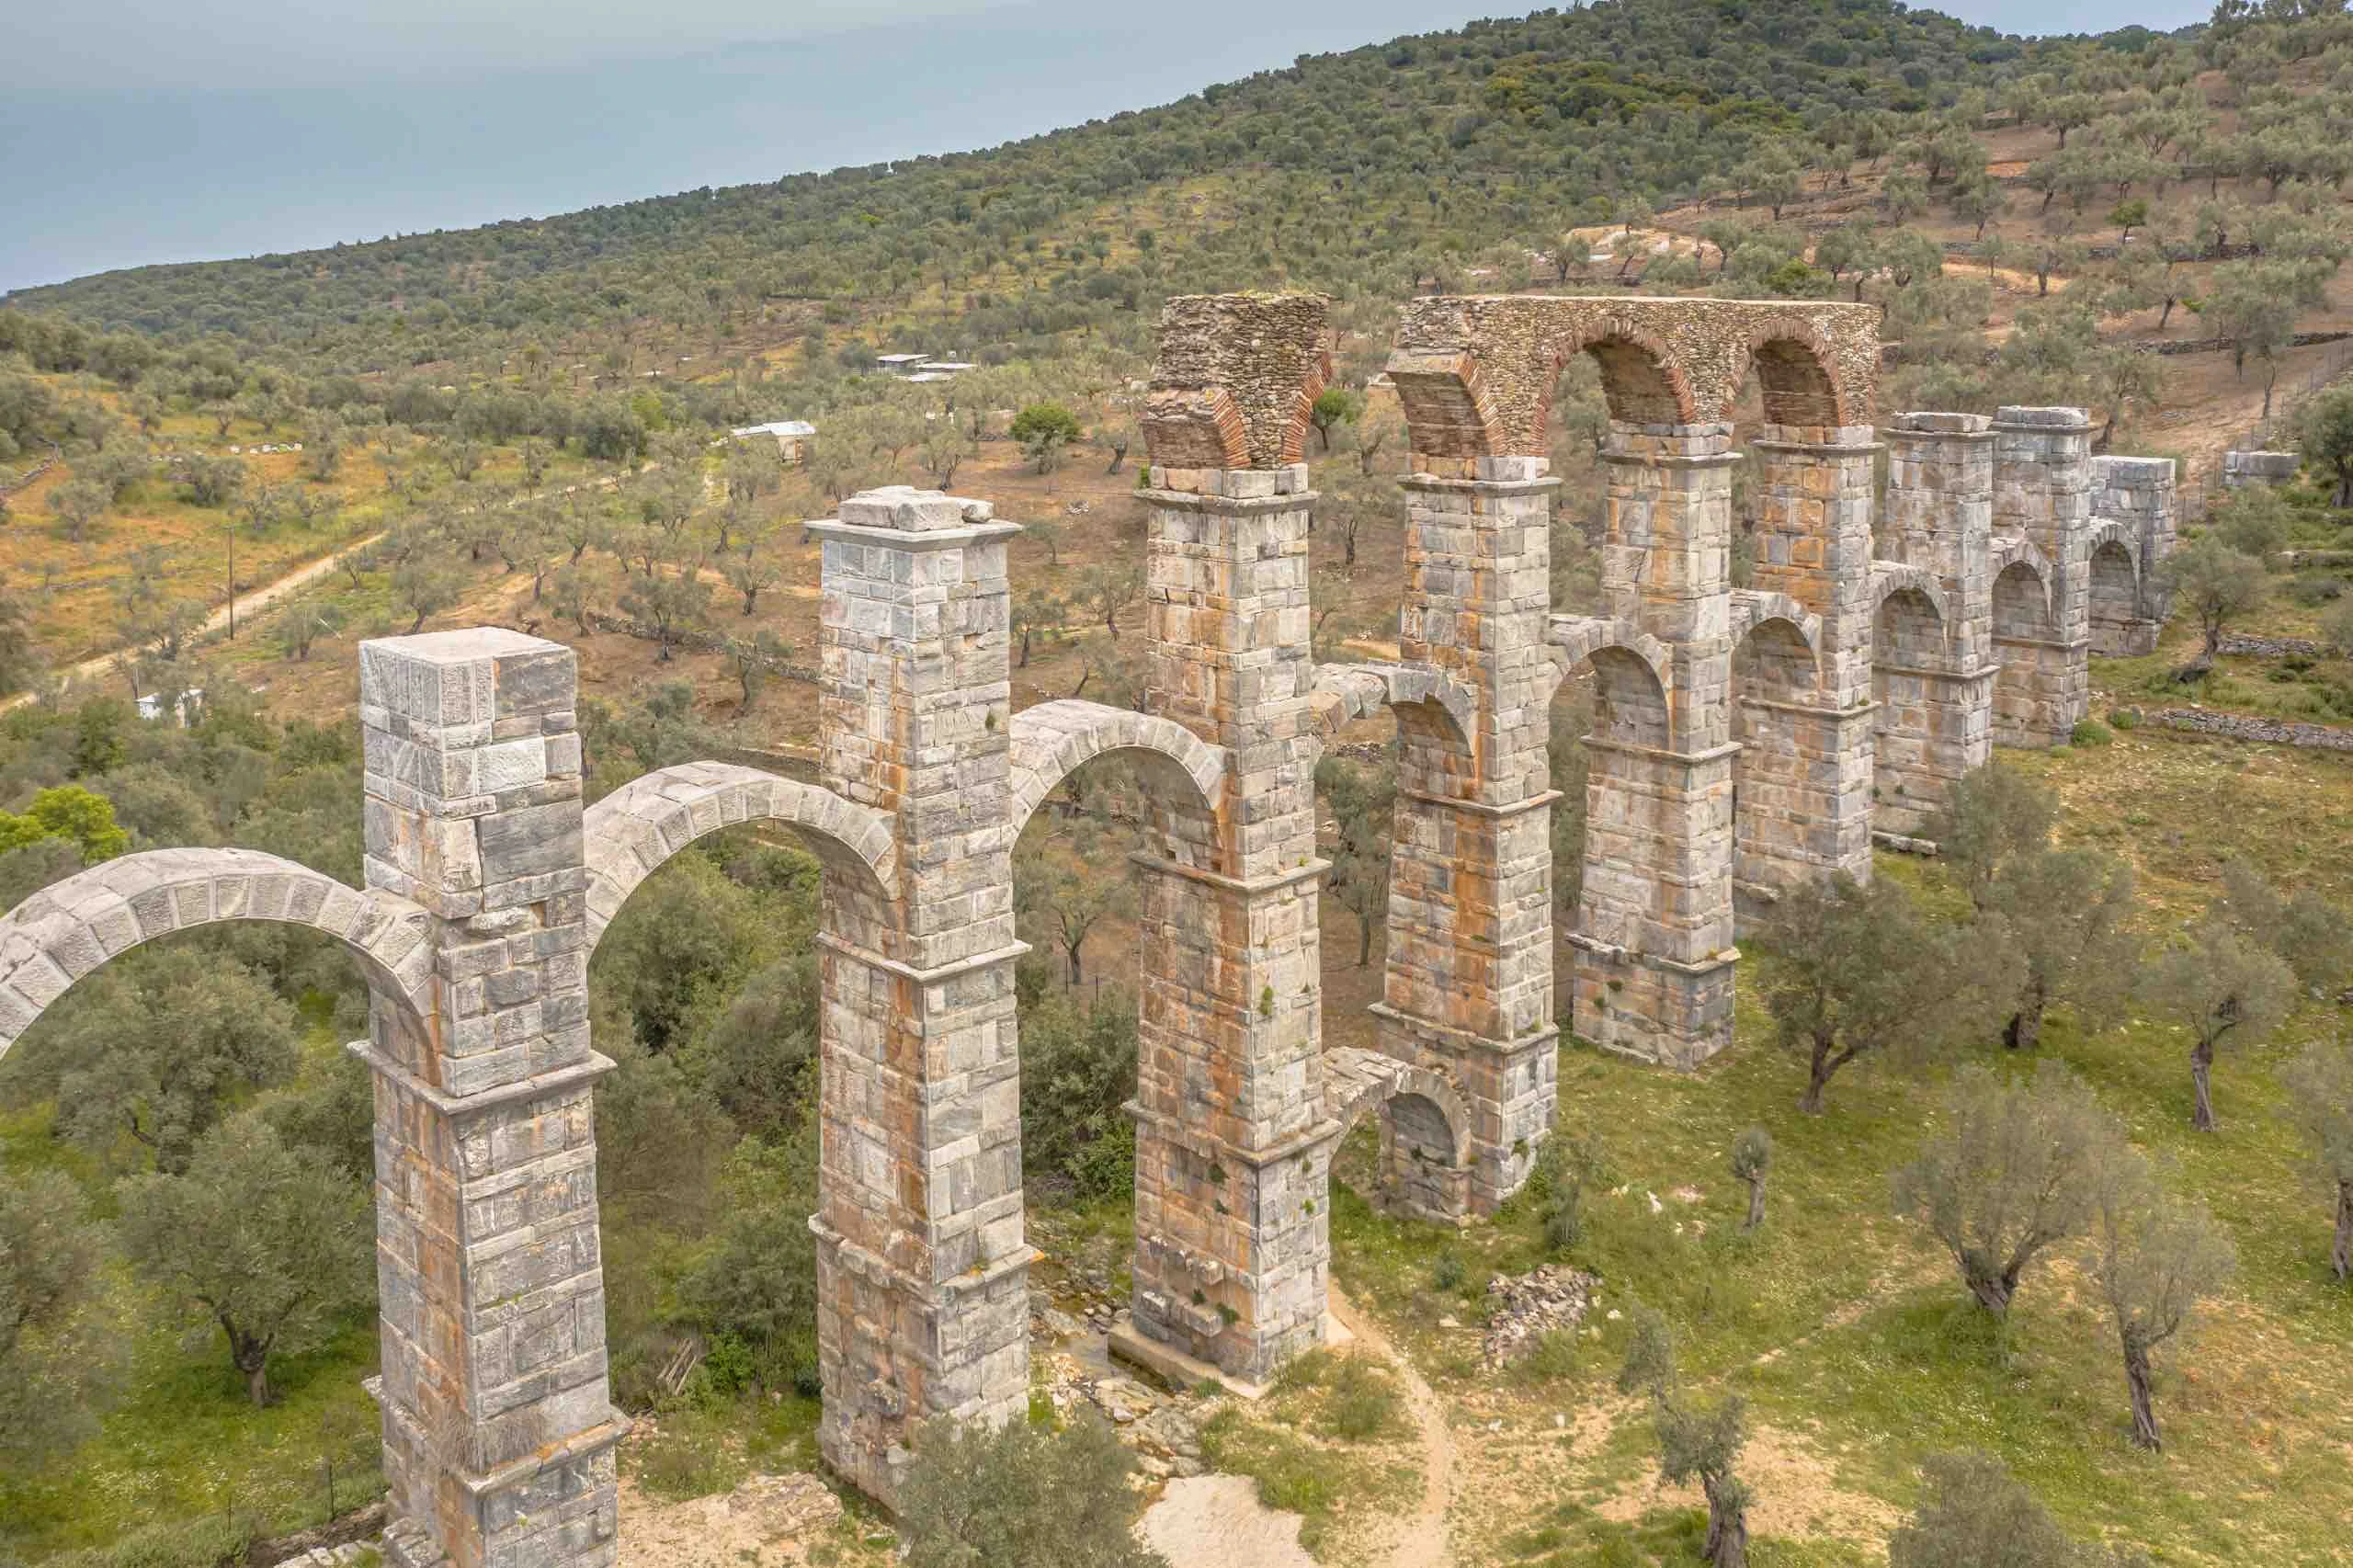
[140, 130]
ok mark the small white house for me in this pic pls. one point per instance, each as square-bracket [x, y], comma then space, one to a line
[899, 364]
[790, 436]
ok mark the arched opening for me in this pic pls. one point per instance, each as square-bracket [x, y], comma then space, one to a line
[709, 887]
[2025, 637]
[1776, 686]
[1796, 386]
[1109, 808]
[2115, 600]
[1913, 720]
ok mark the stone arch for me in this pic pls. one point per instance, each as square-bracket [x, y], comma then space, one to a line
[1751, 607]
[63, 932]
[1891, 578]
[1346, 692]
[632, 831]
[2022, 601]
[1053, 740]
[1579, 640]
[1642, 380]
[1425, 1125]
[1774, 660]
[1908, 627]
[2115, 597]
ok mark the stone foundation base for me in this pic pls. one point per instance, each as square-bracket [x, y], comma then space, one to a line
[1657, 1010]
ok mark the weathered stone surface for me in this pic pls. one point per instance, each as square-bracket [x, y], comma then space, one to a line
[1233, 382]
[1476, 373]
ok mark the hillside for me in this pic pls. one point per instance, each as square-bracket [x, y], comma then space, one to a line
[1332, 174]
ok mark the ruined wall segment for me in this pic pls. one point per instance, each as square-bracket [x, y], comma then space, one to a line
[1234, 1138]
[2042, 498]
[2141, 496]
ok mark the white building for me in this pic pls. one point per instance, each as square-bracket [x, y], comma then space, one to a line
[790, 436]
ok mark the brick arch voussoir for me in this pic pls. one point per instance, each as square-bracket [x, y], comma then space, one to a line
[65, 931]
[1053, 740]
[631, 832]
[1846, 407]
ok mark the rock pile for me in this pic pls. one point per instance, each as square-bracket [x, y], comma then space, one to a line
[1521, 1308]
[1163, 1429]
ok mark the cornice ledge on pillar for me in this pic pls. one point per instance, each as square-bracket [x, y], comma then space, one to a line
[869, 1265]
[1810, 710]
[910, 538]
[478, 1484]
[1660, 753]
[1244, 885]
[577, 1074]
[1515, 808]
[932, 976]
[1219, 1150]
[1461, 1037]
[1229, 506]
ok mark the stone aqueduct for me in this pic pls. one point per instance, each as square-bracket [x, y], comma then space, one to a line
[1839, 694]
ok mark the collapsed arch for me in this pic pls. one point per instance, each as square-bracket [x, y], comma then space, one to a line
[1053, 740]
[632, 831]
[1425, 1128]
[63, 932]
[1346, 692]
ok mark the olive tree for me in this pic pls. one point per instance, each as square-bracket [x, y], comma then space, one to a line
[2217, 585]
[2223, 988]
[268, 1242]
[2009, 1173]
[2312, 935]
[1021, 1495]
[1976, 1515]
[1752, 1160]
[2320, 1086]
[49, 1261]
[2153, 1257]
[1858, 971]
[1696, 1443]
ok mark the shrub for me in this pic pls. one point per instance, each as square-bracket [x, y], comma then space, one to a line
[2124, 719]
[1363, 1403]
[2090, 733]
[2313, 590]
[1021, 1496]
[1447, 1273]
[1550, 1357]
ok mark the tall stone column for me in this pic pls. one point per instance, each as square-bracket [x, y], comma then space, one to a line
[2042, 493]
[1467, 976]
[1233, 1141]
[498, 1426]
[1936, 706]
[1654, 972]
[2140, 494]
[921, 1259]
[1804, 808]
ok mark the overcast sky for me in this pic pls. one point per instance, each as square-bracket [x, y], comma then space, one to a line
[140, 130]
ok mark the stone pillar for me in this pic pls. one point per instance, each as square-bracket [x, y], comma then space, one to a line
[1467, 977]
[499, 1426]
[2042, 493]
[1654, 972]
[922, 1261]
[1233, 1141]
[2142, 495]
[1936, 714]
[1804, 808]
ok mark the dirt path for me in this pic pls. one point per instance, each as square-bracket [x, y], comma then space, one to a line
[1421, 1541]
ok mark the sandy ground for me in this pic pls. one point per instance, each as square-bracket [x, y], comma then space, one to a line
[1217, 1521]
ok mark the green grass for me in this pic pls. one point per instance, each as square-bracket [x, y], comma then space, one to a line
[1848, 1332]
